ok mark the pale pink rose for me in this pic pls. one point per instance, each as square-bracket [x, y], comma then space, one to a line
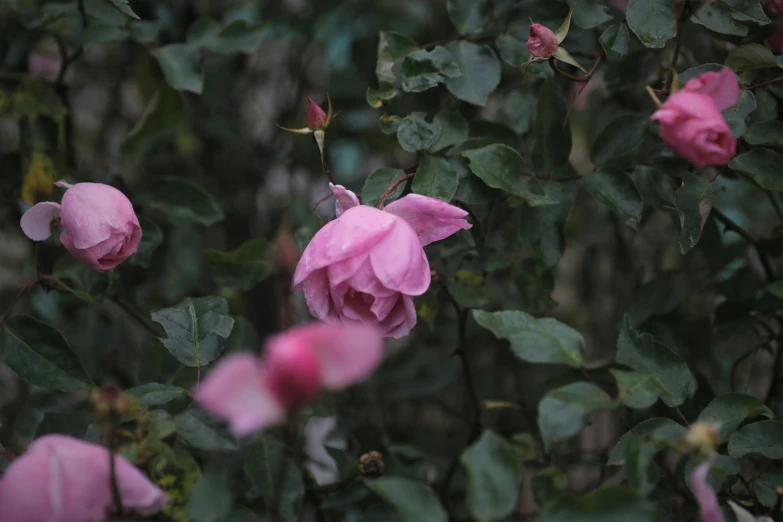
[542, 42]
[316, 117]
[63, 479]
[691, 121]
[44, 65]
[721, 86]
[368, 264]
[709, 511]
[99, 227]
[252, 393]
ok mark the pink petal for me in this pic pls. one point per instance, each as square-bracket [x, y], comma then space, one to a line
[347, 353]
[365, 281]
[402, 319]
[431, 218]
[399, 262]
[345, 199]
[317, 295]
[709, 510]
[356, 231]
[235, 391]
[92, 211]
[722, 87]
[37, 221]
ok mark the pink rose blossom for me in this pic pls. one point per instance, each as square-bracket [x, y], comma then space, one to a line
[63, 479]
[709, 511]
[316, 117]
[692, 123]
[366, 265]
[251, 393]
[542, 42]
[99, 227]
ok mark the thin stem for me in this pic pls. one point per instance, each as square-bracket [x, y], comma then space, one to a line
[585, 78]
[111, 446]
[131, 311]
[25, 288]
[677, 409]
[393, 187]
[764, 84]
[61, 89]
[677, 43]
[281, 474]
[328, 172]
[750, 490]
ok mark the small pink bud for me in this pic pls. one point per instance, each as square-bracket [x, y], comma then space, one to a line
[542, 42]
[316, 117]
[293, 371]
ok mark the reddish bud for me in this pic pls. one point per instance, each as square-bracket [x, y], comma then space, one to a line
[293, 372]
[542, 42]
[286, 253]
[316, 117]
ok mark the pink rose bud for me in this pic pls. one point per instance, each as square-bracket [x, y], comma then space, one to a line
[63, 479]
[316, 117]
[368, 264]
[721, 86]
[99, 227]
[542, 42]
[252, 393]
[693, 126]
[709, 511]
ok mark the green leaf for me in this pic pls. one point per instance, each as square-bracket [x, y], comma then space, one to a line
[590, 13]
[615, 189]
[564, 56]
[640, 466]
[39, 354]
[616, 42]
[182, 200]
[145, 31]
[97, 33]
[722, 468]
[636, 389]
[378, 182]
[717, 17]
[563, 412]
[547, 484]
[376, 97]
[552, 131]
[392, 48]
[620, 137]
[644, 354]
[470, 289]
[480, 72]
[658, 297]
[609, 504]
[176, 472]
[763, 438]
[238, 36]
[435, 178]
[151, 239]
[242, 514]
[694, 202]
[202, 432]
[542, 228]
[469, 16]
[196, 328]
[423, 69]
[545, 340]
[155, 394]
[125, 8]
[414, 133]
[737, 116]
[776, 288]
[494, 478]
[180, 66]
[731, 410]
[513, 51]
[389, 124]
[659, 431]
[262, 466]
[763, 165]
[500, 166]
[746, 60]
[211, 498]
[413, 501]
[766, 487]
[653, 21]
[655, 187]
[769, 133]
[453, 129]
[163, 113]
[242, 268]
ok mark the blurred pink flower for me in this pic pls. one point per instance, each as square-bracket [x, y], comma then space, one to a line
[251, 393]
[709, 511]
[692, 123]
[44, 65]
[542, 42]
[63, 479]
[366, 265]
[99, 226]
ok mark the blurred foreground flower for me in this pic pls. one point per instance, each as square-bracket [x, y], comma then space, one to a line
[252, 393]
[63, 479]
[99, 226]
[709, 510]
[366, 265]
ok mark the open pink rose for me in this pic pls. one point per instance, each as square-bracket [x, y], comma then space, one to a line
[692, 123]
[251, 393]
[99, 227]
[63, 479]
[542, 42]
[366, 265]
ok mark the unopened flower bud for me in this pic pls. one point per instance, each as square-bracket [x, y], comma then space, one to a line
[702, 437]
[371, 464]
[109, 403]
[286, 253]
[316, 117]
[542, 42]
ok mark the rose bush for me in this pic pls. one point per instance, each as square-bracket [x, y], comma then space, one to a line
[461, 260]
